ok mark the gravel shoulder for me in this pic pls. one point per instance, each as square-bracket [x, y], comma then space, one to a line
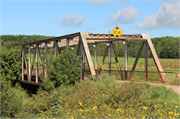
[172, 87]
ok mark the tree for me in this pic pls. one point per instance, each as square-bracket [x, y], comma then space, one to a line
[65, 68]
[11, 64]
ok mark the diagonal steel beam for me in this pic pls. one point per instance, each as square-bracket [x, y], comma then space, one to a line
[116, 59]
[137, 58]
[83, 36]
[155, 57]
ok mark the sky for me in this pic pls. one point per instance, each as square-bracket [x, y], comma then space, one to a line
[61, 17]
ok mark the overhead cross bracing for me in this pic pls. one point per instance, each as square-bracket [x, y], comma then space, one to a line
[82, 39]
[93, 38]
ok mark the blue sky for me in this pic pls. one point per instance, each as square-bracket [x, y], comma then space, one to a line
[59, 17]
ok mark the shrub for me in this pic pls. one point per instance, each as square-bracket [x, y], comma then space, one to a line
[11, 99]
[65, 68]
[11, 64]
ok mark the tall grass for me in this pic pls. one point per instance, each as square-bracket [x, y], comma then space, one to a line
[102, 97]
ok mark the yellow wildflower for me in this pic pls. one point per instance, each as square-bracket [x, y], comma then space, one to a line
[80, 110]
[80, 103]
[94, 107]
[72, 117]
[170, 112]
[144, 107]
[118, 110]
[155, 106]
[165, 103]
[176, 106]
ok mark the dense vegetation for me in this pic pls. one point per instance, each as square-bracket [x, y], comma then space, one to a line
[64, 69]
[91, 99]
[166, 47]
[11, 64]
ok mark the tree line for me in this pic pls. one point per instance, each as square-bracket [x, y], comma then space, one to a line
[166, 47]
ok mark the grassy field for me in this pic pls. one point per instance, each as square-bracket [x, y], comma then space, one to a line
[169, 65]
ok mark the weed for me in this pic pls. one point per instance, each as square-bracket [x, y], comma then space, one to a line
[175, 81]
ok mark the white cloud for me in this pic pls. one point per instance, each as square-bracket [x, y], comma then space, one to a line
[104, 2]
[100, 2]
[123, 16]
[57, 20]
[72, 20]
[169, 1]
[122, 1]
[91, 27]
[166, 16]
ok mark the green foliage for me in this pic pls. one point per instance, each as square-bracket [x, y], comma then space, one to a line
[49, 85]
[64, 69]
[11, 65]
[11, 99]
[15, 41]
[103, 98]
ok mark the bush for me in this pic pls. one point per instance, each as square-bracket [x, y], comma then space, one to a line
[64, 69]
[11, 64]
[11, 99]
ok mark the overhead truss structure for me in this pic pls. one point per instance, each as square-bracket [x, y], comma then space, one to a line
[81, 40]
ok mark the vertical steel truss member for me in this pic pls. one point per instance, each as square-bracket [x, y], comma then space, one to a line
[126, 59]
[58, 47]
[95, 56]
[82, 71]
[78, 47]
[146, 61]
[33, 62]
[26, 63]
[37, 50]
[40, 60]
[137, 58]
[83, 58]
[45, 62]
[67, 42]
[23, 62]
[155, 57]
[83, 36]
[29, 78]
[110, 58]
[116, 59]
[55, 48]
[104, 56]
